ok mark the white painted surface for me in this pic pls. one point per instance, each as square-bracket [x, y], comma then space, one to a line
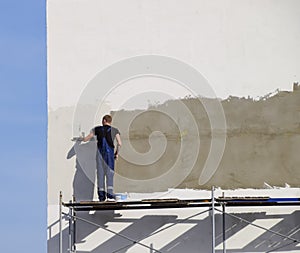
[242, 47]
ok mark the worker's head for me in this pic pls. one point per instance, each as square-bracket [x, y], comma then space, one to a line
[106, 120]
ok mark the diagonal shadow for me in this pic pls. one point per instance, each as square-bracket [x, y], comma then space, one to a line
[138, 230]
[268, 242]
[199, 239]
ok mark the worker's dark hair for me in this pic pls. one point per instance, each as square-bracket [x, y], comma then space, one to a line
[107, 118]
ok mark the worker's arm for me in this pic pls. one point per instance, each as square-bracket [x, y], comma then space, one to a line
[119, 144]
[88, 137]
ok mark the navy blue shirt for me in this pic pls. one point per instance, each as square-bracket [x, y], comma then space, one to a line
[106, 131]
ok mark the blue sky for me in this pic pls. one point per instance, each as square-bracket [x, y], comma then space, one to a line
[23, 96]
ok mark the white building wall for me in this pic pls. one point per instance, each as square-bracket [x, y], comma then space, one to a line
[243, 48]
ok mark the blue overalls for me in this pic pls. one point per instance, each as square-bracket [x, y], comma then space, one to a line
[105, 167]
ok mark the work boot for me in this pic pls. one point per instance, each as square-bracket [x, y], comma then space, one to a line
[111, 197]
[102, 196]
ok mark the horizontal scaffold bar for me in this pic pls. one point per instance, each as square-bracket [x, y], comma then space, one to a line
[180, 203]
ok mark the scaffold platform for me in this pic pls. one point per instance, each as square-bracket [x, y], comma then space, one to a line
[181, 203]
[210, 204]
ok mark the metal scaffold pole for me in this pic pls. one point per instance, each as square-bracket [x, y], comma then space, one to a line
[70, 230]
[60, 222]
[213, 219]
[74, 228]
[151, 246]
[224, 226]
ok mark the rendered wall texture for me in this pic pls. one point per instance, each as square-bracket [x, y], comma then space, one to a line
[262, 143]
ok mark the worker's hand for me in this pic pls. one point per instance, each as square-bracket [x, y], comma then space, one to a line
[116, 156]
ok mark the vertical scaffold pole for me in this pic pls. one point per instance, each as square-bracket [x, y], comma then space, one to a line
[151, 248]
[224, 226]
[213, 218]
[74, 227]
[60, 222]
[70, 229]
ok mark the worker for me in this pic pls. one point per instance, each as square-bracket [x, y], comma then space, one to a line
[106, 155]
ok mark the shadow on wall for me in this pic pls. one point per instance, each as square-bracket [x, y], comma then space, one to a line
[195, 239]
[82, 231]
[85, 175]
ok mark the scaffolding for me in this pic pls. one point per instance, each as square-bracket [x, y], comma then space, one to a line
[213, 204]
